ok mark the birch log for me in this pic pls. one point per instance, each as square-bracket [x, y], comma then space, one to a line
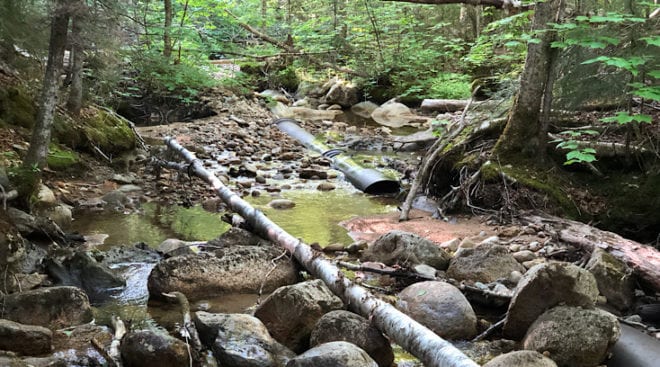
[431, 349]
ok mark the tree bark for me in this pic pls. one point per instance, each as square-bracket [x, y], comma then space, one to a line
[74, 103]
[432, 350]
[41, 131]
[524, 135]
[167, 41]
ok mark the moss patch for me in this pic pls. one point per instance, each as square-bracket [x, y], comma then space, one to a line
[62, 159]
[17, 107]
[97, 128]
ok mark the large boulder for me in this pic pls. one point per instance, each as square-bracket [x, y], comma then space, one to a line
[291, 312]
[235, 236]
[409, 249]
[240, 340]
[521, 358]
[333, 354]
[82, 270]
[53, 307]
[573, 336]
[346, 326]
[483, 263]
[236, 269]
[440, 307]
[396, 115]
[614, 278]
[149, 348]
[24, 339]
[341, 92]
[364, 109]
[545, 286]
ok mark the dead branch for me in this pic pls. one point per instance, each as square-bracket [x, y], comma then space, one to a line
[104, 353]
[429, 160]
[431, 349]
[607, 149]
[120, 330]
[130, 124]
[493, 328]
[290, 49]
[188, 330]
[443, 105]
[643, 259]
[396, 273]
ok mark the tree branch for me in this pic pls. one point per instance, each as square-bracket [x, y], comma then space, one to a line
[499, 4]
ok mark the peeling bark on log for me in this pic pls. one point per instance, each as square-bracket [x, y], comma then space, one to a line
[432, 350]
[644, 260]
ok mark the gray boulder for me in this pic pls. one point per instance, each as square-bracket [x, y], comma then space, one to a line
[24, 339]
[175, 247]
[240, 340]
[346, 326]
[364, 109]
[521, 358]
[53, 307]
[614, 278]
[236, 269]
[333, 354]
[235, 236]
[291, 312]
[148, 348]
[440, 307]
[545, 286]
[343, 93]
[573, 336]
[483, 263]
[398, 247]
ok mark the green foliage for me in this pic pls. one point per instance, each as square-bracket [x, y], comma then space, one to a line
[577, 153]
[61, 159]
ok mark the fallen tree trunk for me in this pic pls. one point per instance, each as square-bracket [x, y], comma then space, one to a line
[431, 349]
[444, 105]
[644, 260]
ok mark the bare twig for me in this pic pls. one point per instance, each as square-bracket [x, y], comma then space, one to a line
[274, 262]
[493, 328]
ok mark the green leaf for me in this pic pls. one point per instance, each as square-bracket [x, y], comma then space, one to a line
[652, 40]
[652, 93]
[654, 74]
[623, 118]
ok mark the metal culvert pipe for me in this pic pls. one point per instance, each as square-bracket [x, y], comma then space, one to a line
[368, 180]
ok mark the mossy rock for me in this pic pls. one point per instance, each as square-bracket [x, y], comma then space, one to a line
[62, 159]
[101, 129]
[17, 107]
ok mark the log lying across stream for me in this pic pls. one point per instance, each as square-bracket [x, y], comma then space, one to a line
[424, 344]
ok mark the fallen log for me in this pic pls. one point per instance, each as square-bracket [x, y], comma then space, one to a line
[443, 105]
[644, 260]
[431, 349]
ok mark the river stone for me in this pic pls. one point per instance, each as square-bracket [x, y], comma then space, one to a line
[175, 247]
[24, 339]
[364, 109]
[235, 236]
[333, 354]
[614, 278]
[483, 263]
[521, 358]
[116, 199]
[346, 326]
[409, 249]
[343, 93]
[53, 307]
[325, 186]
[573, 336]
[440, 307]
[236, 269]
[45, 196]
[148, 348]
[240, 340]
[524, 255]
[395, 115]
[82, 270]
[291, 312]
[281, 204]
[544, 286]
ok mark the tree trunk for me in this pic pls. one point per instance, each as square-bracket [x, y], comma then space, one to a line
[41, 132]
[432, 350]
[525, 136]
[74, 103]
[167, 41]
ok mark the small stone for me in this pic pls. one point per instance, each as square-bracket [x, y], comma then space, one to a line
[514, 248]
[492, 240]
[451, 245]
[282, 204]
[523, 256]
[532, 263]
[325, 186]
[535, 246]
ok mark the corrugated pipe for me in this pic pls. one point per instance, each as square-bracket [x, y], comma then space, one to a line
[368, 180]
